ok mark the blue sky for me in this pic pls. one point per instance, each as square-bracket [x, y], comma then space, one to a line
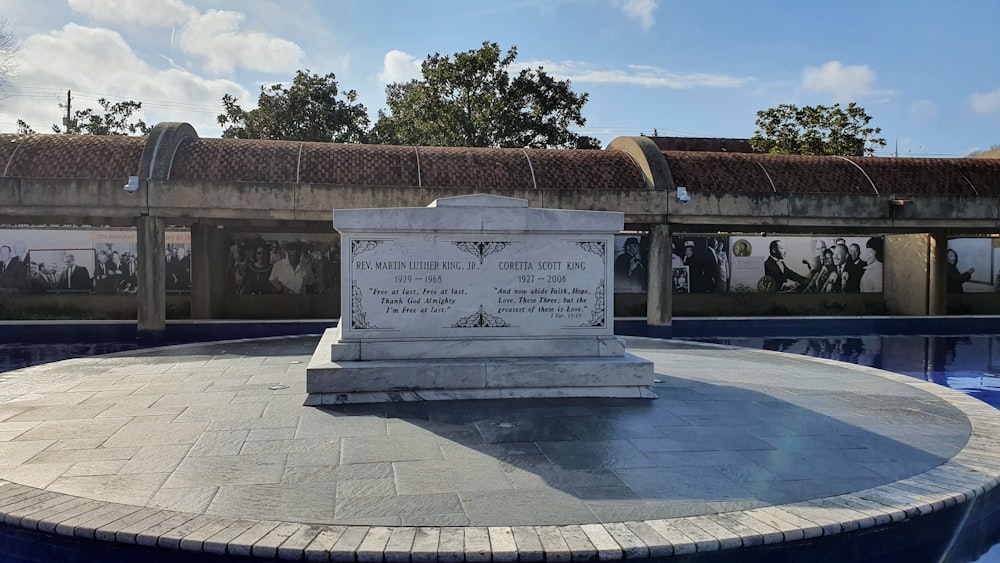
[928, 72]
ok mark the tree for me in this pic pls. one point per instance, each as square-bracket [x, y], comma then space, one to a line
[472, 100]
[114, 119]
[8, 48]
[816, 130]
[310, 110]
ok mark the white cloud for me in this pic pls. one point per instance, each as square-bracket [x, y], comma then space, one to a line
[51, 63]
[399, 67]
[987, 103]
[843, 82]
[216, 37]
[923, 109]
[160, 13]
[213, 37]
[641, 10]
[637, 75]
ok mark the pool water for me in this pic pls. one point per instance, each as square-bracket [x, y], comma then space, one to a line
[970, 364]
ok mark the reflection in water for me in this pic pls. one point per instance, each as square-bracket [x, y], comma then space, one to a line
[970, 364]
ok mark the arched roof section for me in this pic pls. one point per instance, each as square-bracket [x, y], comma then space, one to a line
[461, 167]
[246, 160]
[235, 160]
[69, 156]
[916, 176]
[607, 169]
[717, 173]
[983, 173]
[361, 165]
[815, 174]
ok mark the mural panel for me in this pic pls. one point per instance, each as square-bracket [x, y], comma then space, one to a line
[282, 263]
[806, 264]
[972, 265]
[84, 261]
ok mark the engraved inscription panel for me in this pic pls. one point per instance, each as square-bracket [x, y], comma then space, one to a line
[476, 285]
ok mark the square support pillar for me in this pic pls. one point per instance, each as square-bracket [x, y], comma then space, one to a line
[208, 251]
[659, 299]
[151, 295]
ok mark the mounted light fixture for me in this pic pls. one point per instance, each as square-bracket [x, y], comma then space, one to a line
[682, 194]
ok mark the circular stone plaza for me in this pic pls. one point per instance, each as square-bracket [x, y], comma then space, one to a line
[206, 452]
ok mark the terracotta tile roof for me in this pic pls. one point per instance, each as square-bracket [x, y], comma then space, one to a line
[361, 165]
[585, 169]
[240, 160]
[810, 174]
[983, 173]
[454, 167]
[713, 172]
[918, 176]
[69, 156]
[236, 160]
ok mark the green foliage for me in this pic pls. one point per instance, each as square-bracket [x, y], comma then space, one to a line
[816, 130]
[312, 109]
[115, 119]
[470, 99]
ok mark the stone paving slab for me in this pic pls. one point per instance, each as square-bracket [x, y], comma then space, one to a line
[210, 448]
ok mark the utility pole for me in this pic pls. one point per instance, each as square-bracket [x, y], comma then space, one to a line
[68, 121]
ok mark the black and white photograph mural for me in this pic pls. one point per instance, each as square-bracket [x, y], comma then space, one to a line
[973, 264]
[83, 261]
[787, 264]
[282, 263]
[631, 264]
[703, 262]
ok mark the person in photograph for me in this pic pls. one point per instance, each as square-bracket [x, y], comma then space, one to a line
[839, 277]
[817, 282]
[45, 278]
[701, 264]
[817, 261]
[630, 264]
[957, 279]
[13, 271]
[720, 265]
[129, 281]
[291, 274]
[871, 280]
[855, 268]
[785, 278]
[74, 277]
[257, 275]
[104, 278]
[178, 269]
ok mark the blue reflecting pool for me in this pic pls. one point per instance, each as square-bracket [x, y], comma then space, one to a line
[970, 364]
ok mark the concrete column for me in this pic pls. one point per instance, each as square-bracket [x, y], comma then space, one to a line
[208, 254]
[659, 299]
[907, 274]
[937, 266]
[152, 293]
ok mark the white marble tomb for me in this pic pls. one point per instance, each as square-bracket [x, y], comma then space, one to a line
[475, 296]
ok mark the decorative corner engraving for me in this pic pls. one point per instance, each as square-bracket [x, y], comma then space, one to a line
[481, 249]
[480, 319]
[594, 246]
[358, 315]
[597, 313]
[362, 246]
